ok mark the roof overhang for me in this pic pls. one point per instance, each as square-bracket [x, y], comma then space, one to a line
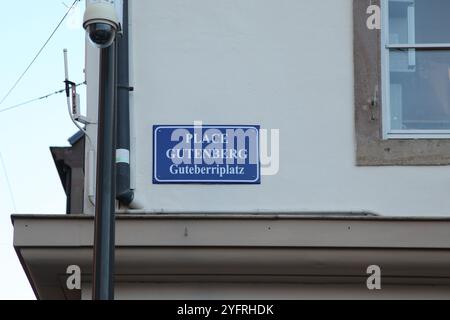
[265, 248]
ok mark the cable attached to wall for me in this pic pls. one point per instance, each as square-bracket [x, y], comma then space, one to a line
[19, 105]
[73, 101]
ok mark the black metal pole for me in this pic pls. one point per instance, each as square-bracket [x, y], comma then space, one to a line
[124, 193]
[104, 238]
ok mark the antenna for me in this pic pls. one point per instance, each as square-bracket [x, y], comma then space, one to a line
[73, 98]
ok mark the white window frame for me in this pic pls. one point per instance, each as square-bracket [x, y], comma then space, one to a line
[386, 46]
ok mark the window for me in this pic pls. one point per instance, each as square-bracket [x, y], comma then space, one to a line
[401, 83]
[415, 62]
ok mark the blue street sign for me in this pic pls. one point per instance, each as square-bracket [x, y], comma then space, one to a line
[206, 154]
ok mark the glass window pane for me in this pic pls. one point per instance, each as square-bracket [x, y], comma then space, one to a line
[419, 21]
[420, 89]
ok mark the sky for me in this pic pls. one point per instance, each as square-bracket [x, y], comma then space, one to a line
[27, 133]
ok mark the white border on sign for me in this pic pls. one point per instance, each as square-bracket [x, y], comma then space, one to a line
[205, 181]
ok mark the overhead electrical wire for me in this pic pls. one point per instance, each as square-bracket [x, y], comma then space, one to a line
[39, 53]
[37, 99]
[16, 83]
[8, 184]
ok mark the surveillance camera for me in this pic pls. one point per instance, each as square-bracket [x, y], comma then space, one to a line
[101, 22]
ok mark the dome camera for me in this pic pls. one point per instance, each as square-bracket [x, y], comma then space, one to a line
[101, 23]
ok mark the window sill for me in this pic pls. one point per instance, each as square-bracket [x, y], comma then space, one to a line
[406, 135]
